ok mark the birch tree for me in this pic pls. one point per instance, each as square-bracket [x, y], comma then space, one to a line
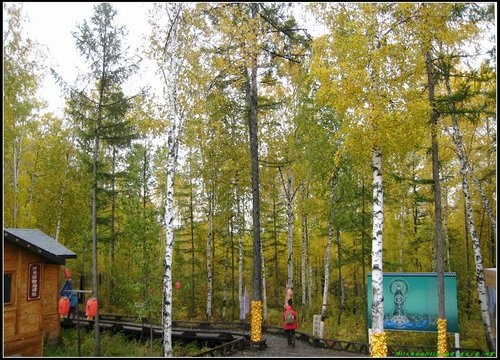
[481, 284]
[21, 74]
[453, 101]
[166, 53]
[328, 251]
[306, 269]
[209, 264]
[437, 26]
[363, 56]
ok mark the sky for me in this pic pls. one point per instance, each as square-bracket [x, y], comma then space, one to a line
[51, 23]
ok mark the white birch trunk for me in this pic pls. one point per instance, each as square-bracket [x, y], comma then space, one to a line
[62, 193]
[328, 252]
[289, 214]
[445, 228]
[264, 294]
[33, 180]
[303, 265]
[309, 274]
[167, 275]
[341, 278]
[16, 166]
[485, 200]
[226, 274]
[309, 282]
[378, 225]
[304, 271]
[209, 257]
[481, 283]
[240, 267]
[177, 123]
[239, 233]
[402, 215]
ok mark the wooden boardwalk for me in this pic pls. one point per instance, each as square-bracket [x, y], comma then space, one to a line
[277, 347]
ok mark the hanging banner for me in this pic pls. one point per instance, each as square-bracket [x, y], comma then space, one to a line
[411, 301]
[34, 279]
[244, 305]
[66, 289]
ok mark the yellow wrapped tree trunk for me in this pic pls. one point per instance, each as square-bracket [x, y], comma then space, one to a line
[378, 345]
[256, 321]
[442, 345]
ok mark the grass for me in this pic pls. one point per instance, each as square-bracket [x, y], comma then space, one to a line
[112, 345]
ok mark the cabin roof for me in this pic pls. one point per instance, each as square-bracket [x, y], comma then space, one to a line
[39, 243]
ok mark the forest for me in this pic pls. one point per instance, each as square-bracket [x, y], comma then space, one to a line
[266, 159]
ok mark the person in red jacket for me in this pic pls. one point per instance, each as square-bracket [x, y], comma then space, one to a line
[290, 325]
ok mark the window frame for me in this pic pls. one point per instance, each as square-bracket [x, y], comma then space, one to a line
[12, 290]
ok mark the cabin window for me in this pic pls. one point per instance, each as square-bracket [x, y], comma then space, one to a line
[7, 288]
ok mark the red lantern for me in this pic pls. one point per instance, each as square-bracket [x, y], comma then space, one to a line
[91, 309]
[178, 285]
[64, 306]
[67, 273]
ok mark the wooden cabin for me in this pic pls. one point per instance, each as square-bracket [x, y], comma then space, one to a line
[31, 278]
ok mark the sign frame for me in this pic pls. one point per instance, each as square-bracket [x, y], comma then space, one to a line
[411, 301]
[34, 281]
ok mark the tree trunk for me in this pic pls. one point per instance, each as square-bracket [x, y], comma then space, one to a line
[481, 284]
[33, 180]
[62, 194]
[209, 255]
[277, 279]
[446, 236]
[378, 343]
[442, 343]
[256, 307]
[363, 261]
[264, 293]
[485, 200]
[226, 273]
[169, 248]
[402, 216]
[239, 232]
[289, 215]
[94, 230]
[174, 132]
[191, 221]
[341, 279]
[113, 235]
[328, 251]
[303, 257]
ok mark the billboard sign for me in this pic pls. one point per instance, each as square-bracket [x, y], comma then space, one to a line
[411, 301]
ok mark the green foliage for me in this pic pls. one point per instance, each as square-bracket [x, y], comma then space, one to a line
[113, 345]
[319, 117]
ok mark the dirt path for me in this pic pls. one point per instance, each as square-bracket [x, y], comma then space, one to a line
[276, 346]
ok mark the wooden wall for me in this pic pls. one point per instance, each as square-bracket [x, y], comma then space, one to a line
[27, 324]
